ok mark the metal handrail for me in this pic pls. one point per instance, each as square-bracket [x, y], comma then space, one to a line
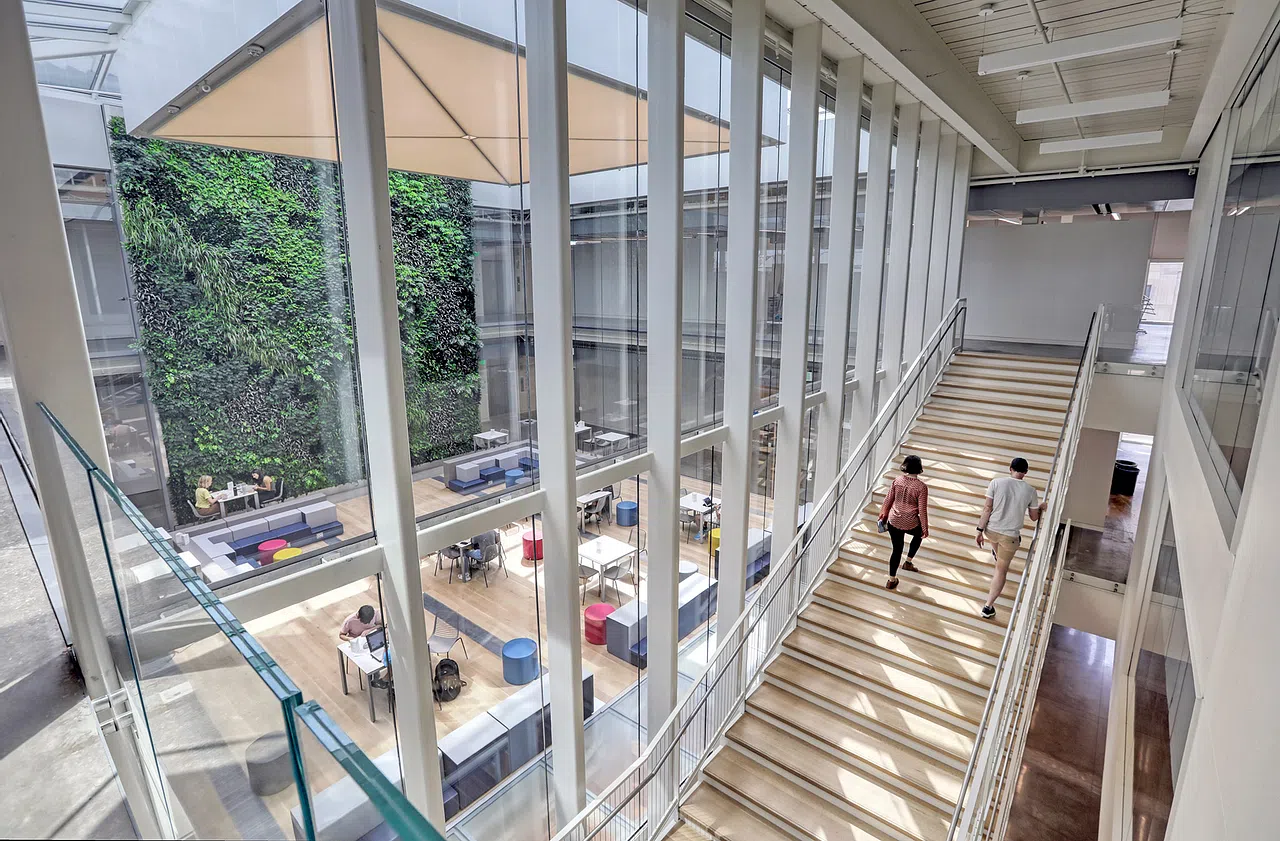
[667, 740]
[1087, 359]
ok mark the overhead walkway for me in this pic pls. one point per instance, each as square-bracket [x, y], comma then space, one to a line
[864, 723]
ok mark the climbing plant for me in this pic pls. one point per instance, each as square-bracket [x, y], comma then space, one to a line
[243, 301]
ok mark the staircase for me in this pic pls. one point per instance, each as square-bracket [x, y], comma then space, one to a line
[863, 724]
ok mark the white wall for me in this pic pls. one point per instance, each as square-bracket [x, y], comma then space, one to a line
[1228, 785]
[1089, 494]
[1089, 608]
[76, 134]
[1124, 403]
[1040, 283]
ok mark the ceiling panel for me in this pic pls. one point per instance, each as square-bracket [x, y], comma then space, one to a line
[1011, 25]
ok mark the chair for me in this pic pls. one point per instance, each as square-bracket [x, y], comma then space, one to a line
[200, 518]
[689, 520]
[586, 572]
[444, 637]
[453, 553]
[277, 494]
[616, 571]
[598, 508]
[639, 538]
[489, 554]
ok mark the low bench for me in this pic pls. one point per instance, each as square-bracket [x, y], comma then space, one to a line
[626, 629]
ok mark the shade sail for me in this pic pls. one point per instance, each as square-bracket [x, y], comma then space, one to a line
[455, 104]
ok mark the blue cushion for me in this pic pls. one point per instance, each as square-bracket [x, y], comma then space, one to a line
[459, 485]
[491, 473]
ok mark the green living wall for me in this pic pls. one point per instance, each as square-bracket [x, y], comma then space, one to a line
[239, 272]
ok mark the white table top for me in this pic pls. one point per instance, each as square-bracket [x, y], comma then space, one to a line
[697, 502]
[587, 499]
[581, 427]
[491, 435]
[604, 551]
[363, 660]
[611, 437]
[241, 491]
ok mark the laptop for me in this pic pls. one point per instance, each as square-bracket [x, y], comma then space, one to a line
[377, 640]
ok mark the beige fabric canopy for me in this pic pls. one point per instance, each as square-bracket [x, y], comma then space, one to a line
[451, 101]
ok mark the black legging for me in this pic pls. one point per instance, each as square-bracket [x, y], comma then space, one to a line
[896, 535]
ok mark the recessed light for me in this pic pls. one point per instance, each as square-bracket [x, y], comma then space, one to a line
[205, 87]
[1023, 76]
[172, 109]
[468, 137]
[255, 50]
[986, 9]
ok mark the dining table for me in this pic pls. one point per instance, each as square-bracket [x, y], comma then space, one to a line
[584, 501]
[246, 492]
[604, 552]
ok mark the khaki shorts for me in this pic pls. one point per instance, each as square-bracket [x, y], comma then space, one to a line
[1004, 546]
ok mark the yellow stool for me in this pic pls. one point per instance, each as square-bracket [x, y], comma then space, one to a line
[715, 539]
[285, 554]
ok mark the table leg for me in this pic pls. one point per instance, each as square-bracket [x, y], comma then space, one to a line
[342, 667]
[373, 716]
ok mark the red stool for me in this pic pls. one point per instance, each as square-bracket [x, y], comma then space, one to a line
[594, 617]
[532, 546]
[268, 548]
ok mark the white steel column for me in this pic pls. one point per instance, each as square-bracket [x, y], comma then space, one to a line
[553, 360]
[959, 206]
[362, 151]
[835, 306]
[875, 221]
[895, 292]
[942, 195]
[802, 146]
[50, 360]
[665, 345]
[921, 239]
[746, 66]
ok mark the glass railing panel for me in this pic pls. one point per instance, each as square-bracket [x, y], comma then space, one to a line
[350, 794]
[117, 648]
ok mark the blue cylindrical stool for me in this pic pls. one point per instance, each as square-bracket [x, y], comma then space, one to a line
[514, 476]
[520, 661]
[628, 514]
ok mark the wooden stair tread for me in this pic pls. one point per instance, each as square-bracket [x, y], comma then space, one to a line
[937, 574]
[967, 556]
[1012, 440]
[994, 358]
[921, 776]
[1061, 378]
[961, 391]
[979, 472]
[962, 606]
[924, 621]
[932, 693]
[919, 653]
[940, 520]
[960, 485]
[951, 449]
[1039, 430]
[912, 725]
[909, 815]
[721, 817]
[967, 402]
[966, 446]
[1026, 387]
[808, 813]
[938, 502]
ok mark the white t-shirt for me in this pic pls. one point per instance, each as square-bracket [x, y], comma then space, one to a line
[1010, 499]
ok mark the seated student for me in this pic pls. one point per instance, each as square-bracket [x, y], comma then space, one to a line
[265, 485]
[360, 623]
[205, 503]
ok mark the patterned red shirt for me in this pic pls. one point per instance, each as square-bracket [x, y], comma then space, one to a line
[907, 504]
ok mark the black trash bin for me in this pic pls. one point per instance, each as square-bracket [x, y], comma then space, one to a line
[1124, 478]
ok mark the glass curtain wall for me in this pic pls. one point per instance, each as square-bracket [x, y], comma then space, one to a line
[1164, 695]
[1240, 303]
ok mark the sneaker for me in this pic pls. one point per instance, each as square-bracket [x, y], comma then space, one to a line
[988, 612]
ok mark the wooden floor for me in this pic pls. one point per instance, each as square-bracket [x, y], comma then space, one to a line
[865, 721]
[303, 640]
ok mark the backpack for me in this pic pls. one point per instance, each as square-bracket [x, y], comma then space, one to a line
[448, 681]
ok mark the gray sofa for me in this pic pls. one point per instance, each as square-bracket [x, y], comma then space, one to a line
[228, 551]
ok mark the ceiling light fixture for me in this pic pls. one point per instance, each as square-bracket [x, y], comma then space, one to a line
[468, 137]
[1110, 141]
[1115, 216]
[255, 50]
[1067, 49]
[1110, 105]
[986, 10]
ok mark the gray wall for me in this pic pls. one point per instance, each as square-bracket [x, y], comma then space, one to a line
[1040, 283]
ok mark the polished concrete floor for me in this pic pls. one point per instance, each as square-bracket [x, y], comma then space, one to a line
[58, 782]
[1105, 554]
[1152, 761]
[1058, 792]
